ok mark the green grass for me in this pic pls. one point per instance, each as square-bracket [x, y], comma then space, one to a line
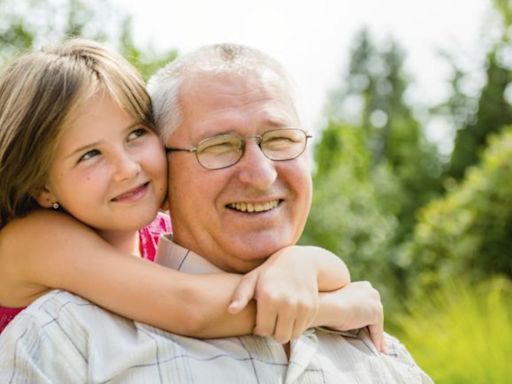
[462, 334]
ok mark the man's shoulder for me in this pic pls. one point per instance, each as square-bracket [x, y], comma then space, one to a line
[396, 362]
[397, 350]
[66, 318]
[397, 354]
[54, 302]
[58, 308]
[54, 328]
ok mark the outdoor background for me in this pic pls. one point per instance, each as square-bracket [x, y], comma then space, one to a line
[411, 109]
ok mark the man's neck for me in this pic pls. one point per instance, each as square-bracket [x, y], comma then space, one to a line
[224, 262]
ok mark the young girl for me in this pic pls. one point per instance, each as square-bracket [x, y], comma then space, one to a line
[77, 138]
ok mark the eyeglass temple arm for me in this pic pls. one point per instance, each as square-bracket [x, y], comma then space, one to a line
[172, 149]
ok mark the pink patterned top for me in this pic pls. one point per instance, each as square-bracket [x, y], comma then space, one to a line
[148, 242]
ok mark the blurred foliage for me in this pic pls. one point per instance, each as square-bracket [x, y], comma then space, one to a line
[492, 113]
[469, 231]
[30, 24]
[373, 102]
[385, 200]
[147, 60]
[347, 216]
[491, 110]
[504, 8]
[374, 169]
[461, 333]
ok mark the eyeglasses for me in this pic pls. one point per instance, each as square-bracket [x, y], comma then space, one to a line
[223, 151]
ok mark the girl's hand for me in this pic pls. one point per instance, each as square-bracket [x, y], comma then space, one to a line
[355, 306]
[286, 289]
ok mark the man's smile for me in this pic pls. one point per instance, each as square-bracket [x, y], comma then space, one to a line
[254, 207]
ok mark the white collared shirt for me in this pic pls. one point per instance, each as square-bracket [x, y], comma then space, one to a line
[62, 338]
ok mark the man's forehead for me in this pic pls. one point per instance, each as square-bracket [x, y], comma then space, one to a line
[242, 80]
[226, 97]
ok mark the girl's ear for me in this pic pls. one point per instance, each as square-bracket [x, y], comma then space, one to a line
[44, 197]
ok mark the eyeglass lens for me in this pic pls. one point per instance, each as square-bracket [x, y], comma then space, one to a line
[225, 150]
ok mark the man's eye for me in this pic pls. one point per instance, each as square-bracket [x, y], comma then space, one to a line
[136, 133]
[220, 148]
[89, 155]
[278, 141]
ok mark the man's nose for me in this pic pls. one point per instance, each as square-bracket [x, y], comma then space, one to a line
[126, 166]
[255, 168]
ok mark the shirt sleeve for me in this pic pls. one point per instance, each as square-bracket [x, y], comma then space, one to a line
[34, 349]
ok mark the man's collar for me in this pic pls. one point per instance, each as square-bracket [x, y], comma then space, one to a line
[181, 259]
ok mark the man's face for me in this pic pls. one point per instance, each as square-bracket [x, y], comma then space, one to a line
[210, 209]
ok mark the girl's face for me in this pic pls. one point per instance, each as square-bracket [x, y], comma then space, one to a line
[109, 170]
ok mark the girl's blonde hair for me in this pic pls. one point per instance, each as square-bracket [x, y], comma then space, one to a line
[40, 93]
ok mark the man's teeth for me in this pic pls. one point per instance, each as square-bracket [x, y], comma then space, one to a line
[254, 207]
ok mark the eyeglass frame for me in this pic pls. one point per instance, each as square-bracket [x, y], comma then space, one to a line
[243, 141]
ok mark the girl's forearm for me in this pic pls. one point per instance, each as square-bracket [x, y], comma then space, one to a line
[331, 271]
[50, 250]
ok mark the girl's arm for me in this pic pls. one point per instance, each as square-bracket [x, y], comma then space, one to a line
[287, 280]
[352, 307]
[52, 250]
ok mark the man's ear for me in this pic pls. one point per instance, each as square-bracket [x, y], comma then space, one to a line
[44, 197]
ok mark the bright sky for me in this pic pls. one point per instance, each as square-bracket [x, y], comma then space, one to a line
[312, 38]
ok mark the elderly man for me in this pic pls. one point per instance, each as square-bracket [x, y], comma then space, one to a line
[240, 190]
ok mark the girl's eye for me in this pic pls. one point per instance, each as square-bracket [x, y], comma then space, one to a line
[89, 155]
[136, 133]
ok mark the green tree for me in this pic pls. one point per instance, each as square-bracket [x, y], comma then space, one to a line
[478, 117]
[374, 168]
[493, 112]
[146, 60]
[346, 216]
[29, 24]
[376, 84]
[468, 232]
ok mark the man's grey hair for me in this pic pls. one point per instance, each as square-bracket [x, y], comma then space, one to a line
[164, 86]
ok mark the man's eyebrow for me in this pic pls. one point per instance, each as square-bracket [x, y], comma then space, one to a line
[277, 122]
[278, 118]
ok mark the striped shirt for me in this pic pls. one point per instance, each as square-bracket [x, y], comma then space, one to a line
[62, 338]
